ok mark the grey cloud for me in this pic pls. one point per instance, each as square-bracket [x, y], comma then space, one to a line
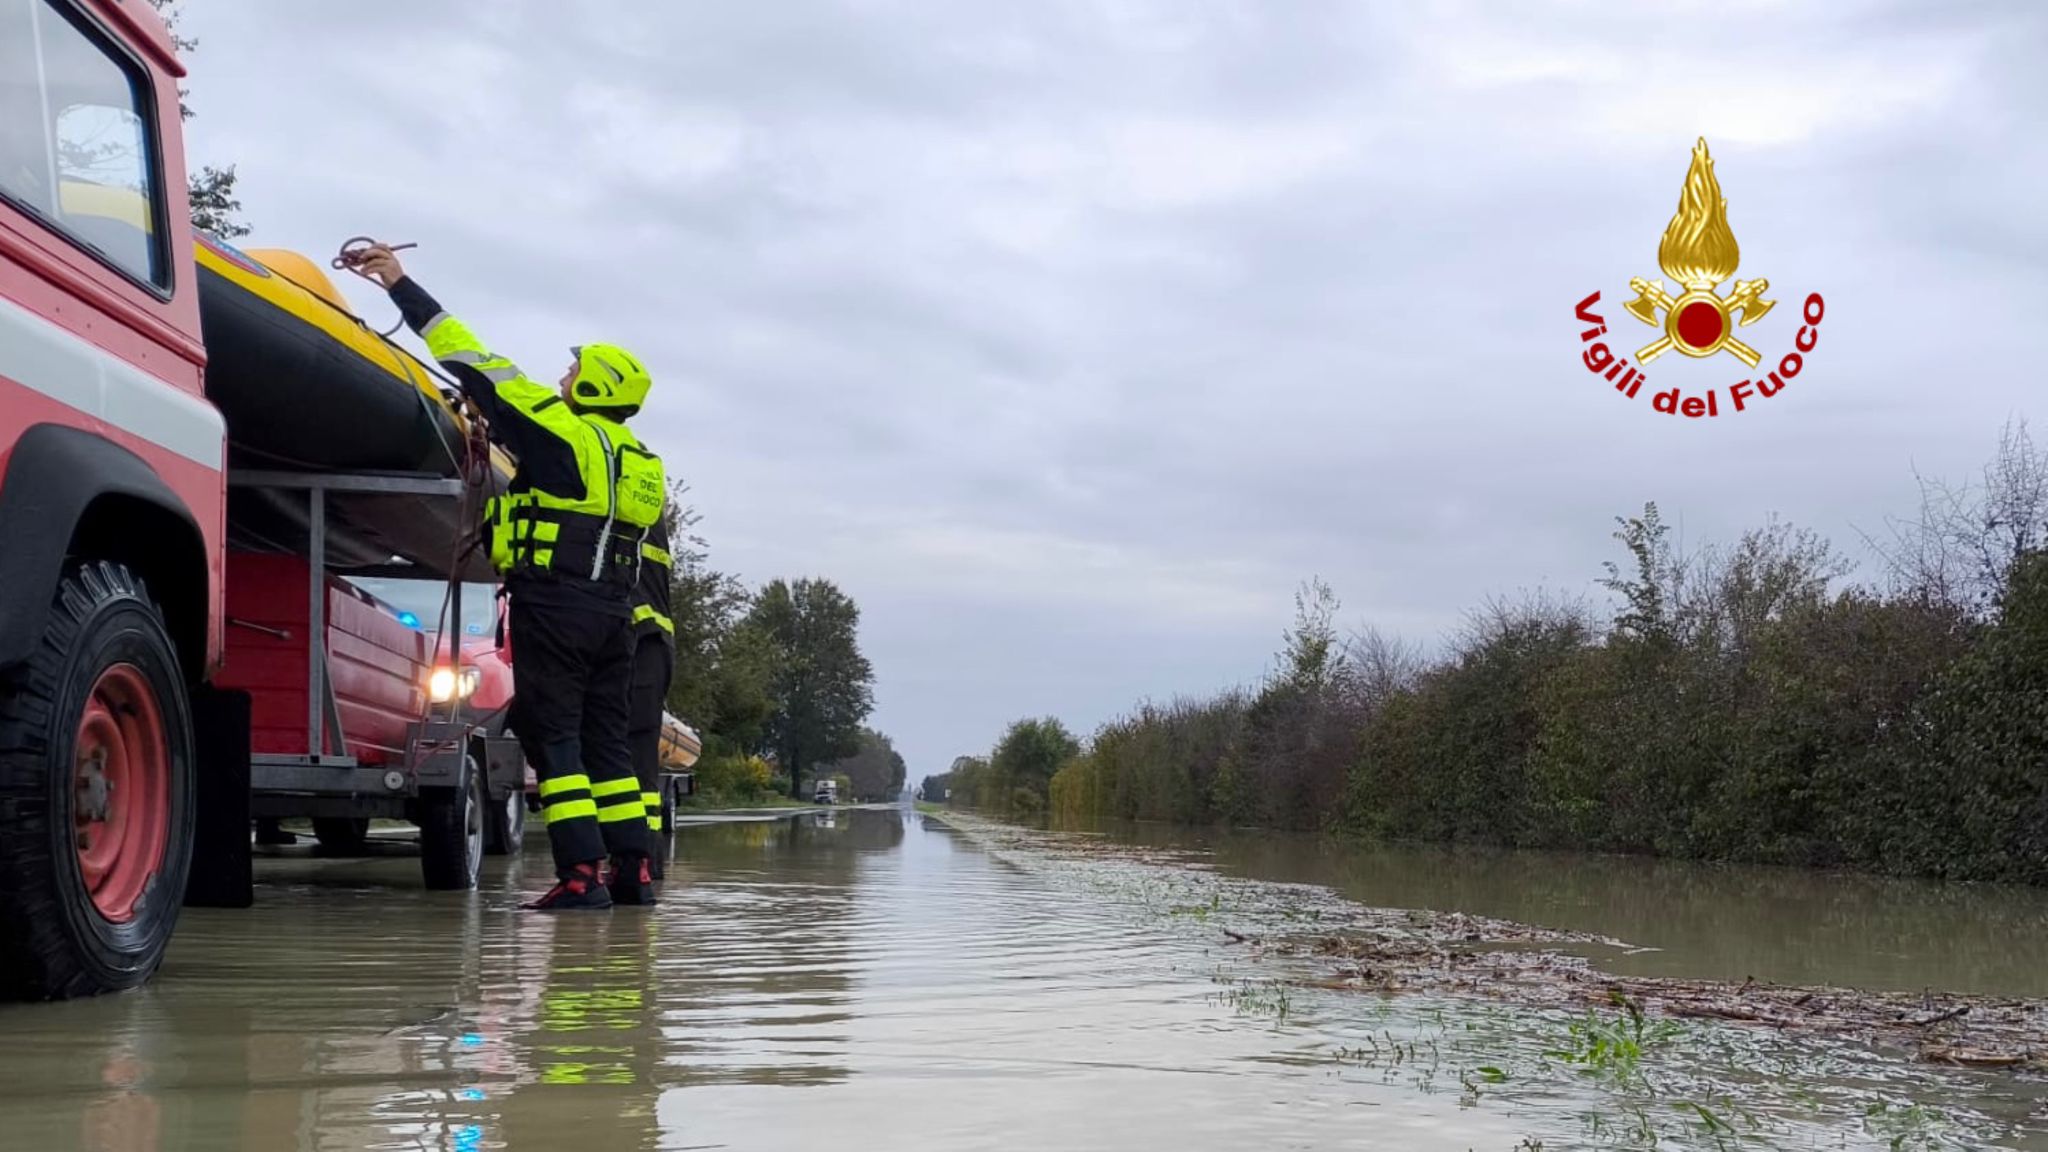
[1069, 336]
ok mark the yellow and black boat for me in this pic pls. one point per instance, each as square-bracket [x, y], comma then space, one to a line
[305, 385]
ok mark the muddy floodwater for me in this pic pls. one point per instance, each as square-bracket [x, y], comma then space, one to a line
[879, 978]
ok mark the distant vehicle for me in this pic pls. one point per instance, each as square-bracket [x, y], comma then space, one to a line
[827, 792]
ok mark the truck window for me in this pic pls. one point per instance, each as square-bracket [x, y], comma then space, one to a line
[75, 141]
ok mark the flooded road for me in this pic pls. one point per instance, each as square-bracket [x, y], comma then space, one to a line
[1785, 925]
[883, 979]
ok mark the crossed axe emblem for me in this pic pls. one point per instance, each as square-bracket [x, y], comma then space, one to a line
[1687, 326]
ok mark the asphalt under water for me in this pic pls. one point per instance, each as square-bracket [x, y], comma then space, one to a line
[882, 979]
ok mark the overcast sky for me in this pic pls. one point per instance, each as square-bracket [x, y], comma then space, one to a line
[1070, 337]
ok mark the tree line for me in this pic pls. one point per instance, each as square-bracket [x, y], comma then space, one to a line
[772, 678]
[1749, 703]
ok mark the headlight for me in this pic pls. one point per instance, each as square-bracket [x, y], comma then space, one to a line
[444, 684]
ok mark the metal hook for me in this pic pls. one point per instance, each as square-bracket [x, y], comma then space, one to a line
[351, 251]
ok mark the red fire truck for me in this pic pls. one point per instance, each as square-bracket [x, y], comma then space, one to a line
[204, 462]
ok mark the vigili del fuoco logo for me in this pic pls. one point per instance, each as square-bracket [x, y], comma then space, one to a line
[1699, 252]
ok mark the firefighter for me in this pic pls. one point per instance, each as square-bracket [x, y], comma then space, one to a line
[566, 538]
[654, 662]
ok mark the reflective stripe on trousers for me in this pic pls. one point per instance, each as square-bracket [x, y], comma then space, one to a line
[619, 799]
[566, 797]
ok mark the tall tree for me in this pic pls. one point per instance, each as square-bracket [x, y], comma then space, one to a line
[742, 691]
[211, 190]
[820, 684]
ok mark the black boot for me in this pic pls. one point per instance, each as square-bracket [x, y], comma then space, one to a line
[632, 880]
[579, 887]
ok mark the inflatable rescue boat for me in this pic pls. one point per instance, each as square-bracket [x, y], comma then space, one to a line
[307, 386]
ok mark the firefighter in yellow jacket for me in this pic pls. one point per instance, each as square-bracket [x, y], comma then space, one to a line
[567, 539]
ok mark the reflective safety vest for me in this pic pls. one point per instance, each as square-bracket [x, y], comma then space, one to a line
[597, 536]
[587, 526]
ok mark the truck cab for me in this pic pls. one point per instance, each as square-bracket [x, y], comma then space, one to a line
[480, 677]
[112, 500]
[199, 447]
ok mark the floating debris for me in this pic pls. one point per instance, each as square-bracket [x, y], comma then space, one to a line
[1419, 950]
[1488, 959]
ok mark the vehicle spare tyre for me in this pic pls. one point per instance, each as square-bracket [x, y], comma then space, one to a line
[96, 794]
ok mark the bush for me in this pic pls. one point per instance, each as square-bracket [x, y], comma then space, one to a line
[734, 779]
[1076, 793]
[1971, 802]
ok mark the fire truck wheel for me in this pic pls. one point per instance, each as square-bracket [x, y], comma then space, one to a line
[96, 794]
[342, 835]
[452, 832]
[506, 829]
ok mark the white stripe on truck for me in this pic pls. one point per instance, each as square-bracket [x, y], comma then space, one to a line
[69, 369]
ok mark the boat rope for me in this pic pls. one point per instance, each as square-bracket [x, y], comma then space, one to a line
[351, 253]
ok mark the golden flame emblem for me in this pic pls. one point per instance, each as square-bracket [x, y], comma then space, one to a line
[1699, 251]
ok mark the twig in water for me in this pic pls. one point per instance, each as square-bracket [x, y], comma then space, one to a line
[1970, 1059]
[1951, 1014]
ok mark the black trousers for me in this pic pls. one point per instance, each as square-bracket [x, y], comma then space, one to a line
[572, 671]
[653, 666]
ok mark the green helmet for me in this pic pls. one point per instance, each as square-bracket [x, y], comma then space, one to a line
[608, 378]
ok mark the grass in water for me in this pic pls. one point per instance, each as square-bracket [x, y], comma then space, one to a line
[1613, 1047]
[1267, 998]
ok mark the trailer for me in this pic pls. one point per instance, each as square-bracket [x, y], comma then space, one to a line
[680, 748]
[359, 715]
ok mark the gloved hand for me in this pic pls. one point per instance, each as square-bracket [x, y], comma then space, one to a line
[376, 262]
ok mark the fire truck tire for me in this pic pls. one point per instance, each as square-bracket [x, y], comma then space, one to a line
[97, 791]
[452, 832]
[342, 835]
[505, 831]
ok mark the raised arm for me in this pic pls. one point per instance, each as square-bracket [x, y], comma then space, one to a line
[528, 417]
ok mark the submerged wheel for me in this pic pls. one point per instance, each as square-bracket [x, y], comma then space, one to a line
[342, 835]
[452, 833]
[506, 830]
[96, 794]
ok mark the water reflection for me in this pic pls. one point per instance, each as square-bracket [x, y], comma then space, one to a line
[869, 978]
[761, 987]
[584, 1052]
[349, 1009]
